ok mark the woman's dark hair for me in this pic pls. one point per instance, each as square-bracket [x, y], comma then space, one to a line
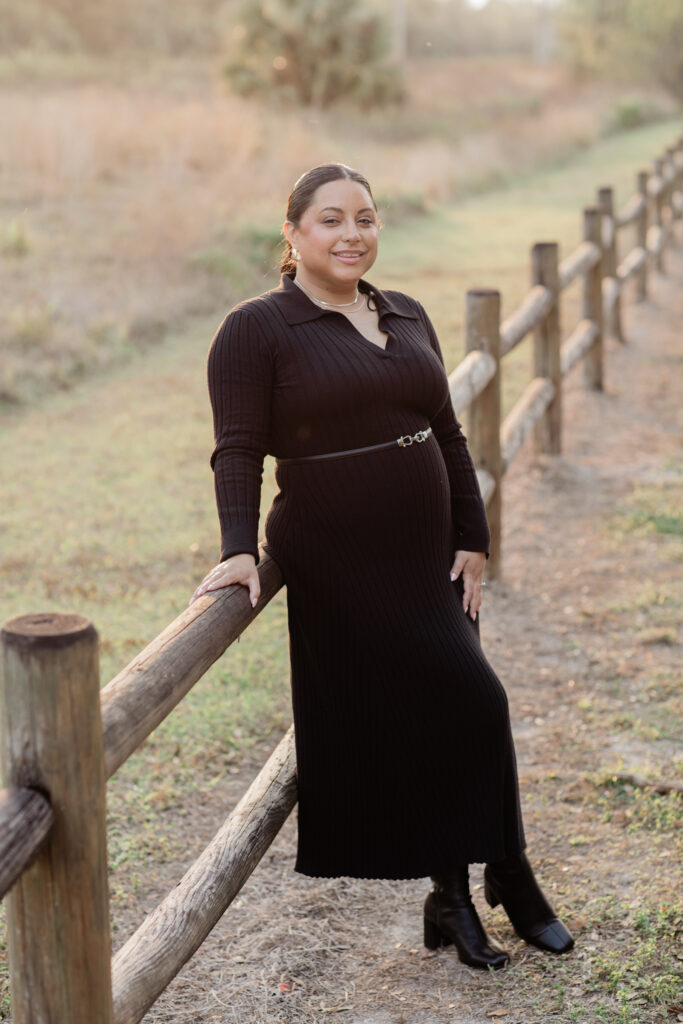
[301, 197]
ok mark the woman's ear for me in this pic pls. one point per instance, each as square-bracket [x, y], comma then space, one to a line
[288, 230]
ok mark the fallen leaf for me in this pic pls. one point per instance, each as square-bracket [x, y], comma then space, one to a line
[500, 1012]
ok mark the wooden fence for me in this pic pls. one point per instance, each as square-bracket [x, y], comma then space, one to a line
[56, 758]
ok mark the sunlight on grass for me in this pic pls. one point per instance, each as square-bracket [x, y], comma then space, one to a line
[108, 493]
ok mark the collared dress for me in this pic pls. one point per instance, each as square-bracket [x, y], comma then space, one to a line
[405, 759]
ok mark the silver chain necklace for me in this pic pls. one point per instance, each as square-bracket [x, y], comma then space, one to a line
[334, 305]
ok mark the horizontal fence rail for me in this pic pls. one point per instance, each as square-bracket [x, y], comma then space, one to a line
[26, 818]
[168, 937]
[140, 697]
[62, 737]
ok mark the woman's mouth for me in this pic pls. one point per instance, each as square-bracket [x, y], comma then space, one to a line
[349, 255]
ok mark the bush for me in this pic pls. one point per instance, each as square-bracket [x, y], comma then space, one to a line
[316, 52]
[643, 38]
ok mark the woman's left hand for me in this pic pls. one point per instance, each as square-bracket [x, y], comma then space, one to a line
[471, 565]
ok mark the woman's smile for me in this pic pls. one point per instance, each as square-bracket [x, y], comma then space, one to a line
[335, 240]
[349, 255]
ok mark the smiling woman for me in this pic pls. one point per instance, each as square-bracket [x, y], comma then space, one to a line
[405, 760]
[333, 246]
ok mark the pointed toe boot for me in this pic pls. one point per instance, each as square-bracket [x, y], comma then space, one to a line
[512, 883]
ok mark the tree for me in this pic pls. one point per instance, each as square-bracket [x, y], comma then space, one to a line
[316, 52]
[641, 37]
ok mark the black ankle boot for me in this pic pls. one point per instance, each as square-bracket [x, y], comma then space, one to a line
[451, 919]
[512, 883]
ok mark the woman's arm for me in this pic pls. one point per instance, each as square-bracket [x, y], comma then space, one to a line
[240, 374]
[467, 505]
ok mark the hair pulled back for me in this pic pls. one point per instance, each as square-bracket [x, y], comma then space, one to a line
[301, 197]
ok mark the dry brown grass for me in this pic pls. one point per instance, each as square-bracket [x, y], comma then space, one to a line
[125, 204]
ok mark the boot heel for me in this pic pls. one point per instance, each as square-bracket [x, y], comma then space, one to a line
[433, 938]
[489, 894]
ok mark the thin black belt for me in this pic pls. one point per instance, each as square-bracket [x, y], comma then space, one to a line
[403, 442]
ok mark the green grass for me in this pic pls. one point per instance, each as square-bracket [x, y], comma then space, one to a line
[108, 502]
[639, 973]
[635, 808]
[485, 241]
[108, 510]
[655, 510]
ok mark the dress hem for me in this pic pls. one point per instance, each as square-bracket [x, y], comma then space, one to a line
[399, 876]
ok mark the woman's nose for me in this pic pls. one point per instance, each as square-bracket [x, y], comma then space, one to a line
[351, 231]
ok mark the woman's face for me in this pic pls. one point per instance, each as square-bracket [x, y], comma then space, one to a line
[336, 236]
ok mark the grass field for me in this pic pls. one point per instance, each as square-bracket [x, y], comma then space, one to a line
[108, 494]
[135, 198]
[108, 502]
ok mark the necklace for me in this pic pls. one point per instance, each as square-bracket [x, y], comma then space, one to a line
[333, 305]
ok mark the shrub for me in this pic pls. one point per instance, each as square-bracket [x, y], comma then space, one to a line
[316, 52]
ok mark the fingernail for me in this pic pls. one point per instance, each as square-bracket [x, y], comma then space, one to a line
[253, 602]
[453, 577]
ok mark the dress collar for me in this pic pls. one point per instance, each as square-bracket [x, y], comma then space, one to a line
[297, 308]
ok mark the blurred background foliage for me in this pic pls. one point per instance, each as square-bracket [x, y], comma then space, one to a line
[638, 39]
[312, 52]
[149, 145]
[339, 47]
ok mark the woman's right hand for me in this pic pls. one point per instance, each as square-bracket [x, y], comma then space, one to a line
[236, 569]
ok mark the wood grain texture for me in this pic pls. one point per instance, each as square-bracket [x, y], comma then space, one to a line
[524, 414]
[641, 234]
[593, 363]
[577, 344]
[657, 187]
[26, 818]
[546, 347]
[470, 377]
[482, 338]
[611, 294]
[173, 932]
[537, 304]
[147, 690]
[631, 264]
[57, 911]
[578, 263]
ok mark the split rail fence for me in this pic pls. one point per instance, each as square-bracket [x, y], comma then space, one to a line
[62, 737]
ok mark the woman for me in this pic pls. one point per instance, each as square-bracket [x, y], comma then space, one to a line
[405, 760]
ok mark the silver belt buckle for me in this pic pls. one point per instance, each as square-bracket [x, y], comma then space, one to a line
[408, 439]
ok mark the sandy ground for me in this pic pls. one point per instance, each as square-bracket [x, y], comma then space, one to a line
[581, 628]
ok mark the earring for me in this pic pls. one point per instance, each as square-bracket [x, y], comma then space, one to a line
[295, 255]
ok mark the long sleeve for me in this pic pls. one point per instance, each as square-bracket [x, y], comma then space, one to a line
[467, 505]
[240, 376]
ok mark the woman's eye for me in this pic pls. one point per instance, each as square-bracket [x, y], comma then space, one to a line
[330, 220]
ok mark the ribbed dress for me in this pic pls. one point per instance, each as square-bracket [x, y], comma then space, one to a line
[405, 759]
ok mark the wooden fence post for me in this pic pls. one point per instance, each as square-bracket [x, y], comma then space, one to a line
[592, 301]
[58, 910]
[641, 236]
[482, 331]
[659, 199]
[610, 258]
[544, 270]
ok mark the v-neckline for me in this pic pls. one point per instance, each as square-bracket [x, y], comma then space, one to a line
[366, 341]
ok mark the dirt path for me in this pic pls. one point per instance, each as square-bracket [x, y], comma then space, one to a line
[582, 630]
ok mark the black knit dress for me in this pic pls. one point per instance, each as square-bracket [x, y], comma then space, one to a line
[405, 759]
